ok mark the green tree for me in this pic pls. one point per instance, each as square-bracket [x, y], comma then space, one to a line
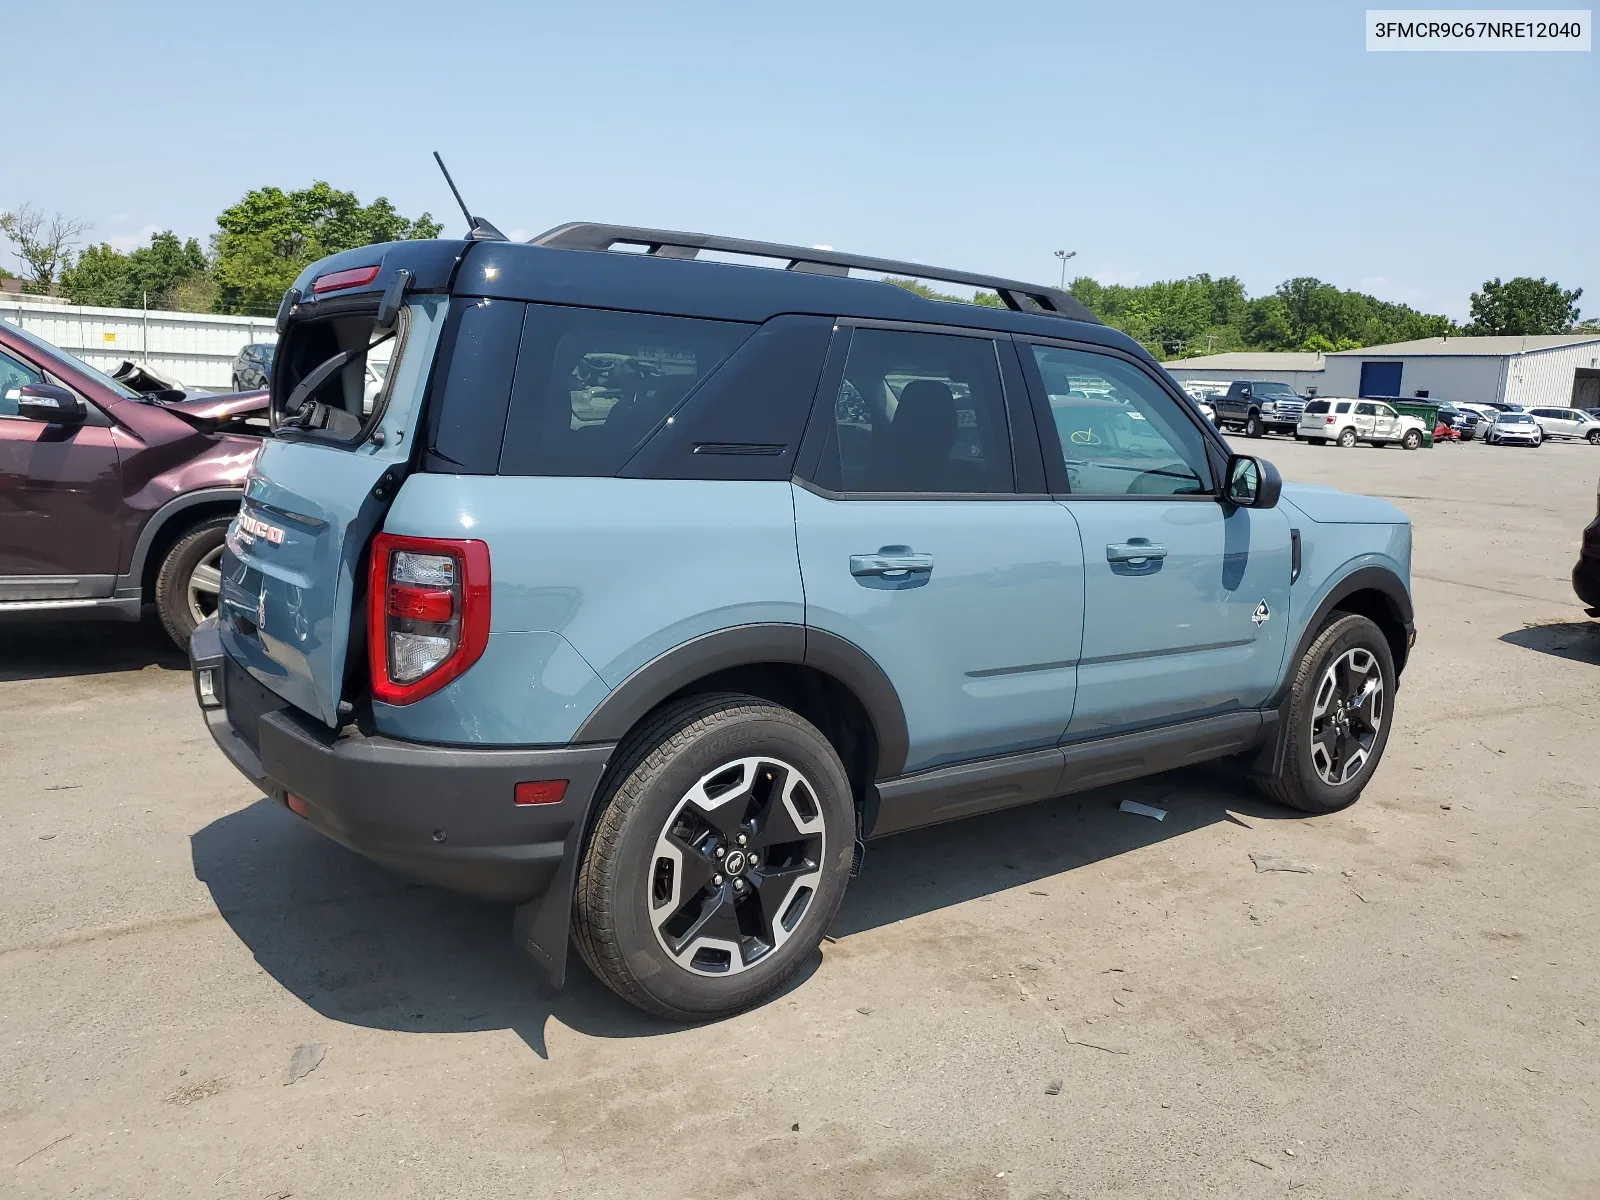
[1523, 306]
[150, 275]
[270, 236]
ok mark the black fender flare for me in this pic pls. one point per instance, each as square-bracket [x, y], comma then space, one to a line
[159, 519]
[751, 645]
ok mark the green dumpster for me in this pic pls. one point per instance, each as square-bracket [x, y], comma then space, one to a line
[1427, 412]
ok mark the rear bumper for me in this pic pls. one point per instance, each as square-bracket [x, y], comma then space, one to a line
[442, 815]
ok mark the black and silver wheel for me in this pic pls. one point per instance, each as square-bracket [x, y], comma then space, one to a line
[1339, 717]
[720, 855]
[1594, 437]
[1412, 439]
[1347, 438]
[1252, 426]
[190, 580]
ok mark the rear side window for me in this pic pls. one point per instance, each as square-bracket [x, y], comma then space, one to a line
[1342, 408]
[592, 385]
[921, 413]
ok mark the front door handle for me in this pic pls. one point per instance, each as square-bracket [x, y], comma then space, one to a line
[1136, 551]
[891, 562]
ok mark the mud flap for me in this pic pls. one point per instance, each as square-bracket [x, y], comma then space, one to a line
[541, 926]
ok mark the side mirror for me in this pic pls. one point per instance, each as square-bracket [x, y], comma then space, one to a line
[1253, 482]
[48, 403]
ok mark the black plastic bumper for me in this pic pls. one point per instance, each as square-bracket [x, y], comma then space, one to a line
[1586, 575]
[438, 814]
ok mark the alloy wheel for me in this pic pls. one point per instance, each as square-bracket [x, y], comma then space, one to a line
[736, 866]
[1347, 716]
[205, 586]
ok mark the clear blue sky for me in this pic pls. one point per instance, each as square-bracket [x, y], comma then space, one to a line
[1157, 140]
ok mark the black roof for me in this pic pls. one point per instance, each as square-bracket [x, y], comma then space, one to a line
[673, 282]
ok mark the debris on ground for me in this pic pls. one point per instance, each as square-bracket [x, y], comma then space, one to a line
[1143, 810]
[795, 1128]
[866, 1010]
[1038, 893]
[1262, 1163]
[45, 837]
[1275, 862]
[1446, 807]
[305, 1060]
[45, 1147]
[1072, 1041]
[1029, 966]
[1053, 1088]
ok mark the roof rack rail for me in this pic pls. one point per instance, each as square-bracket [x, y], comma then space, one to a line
[665, 243]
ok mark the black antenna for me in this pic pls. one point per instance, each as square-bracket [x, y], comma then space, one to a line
[478, 229]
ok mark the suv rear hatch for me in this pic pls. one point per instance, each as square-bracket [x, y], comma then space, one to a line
[357, 340]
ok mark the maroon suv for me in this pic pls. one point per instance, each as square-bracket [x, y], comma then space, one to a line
[110, 500]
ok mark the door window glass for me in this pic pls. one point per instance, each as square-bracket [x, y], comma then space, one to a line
[919, 412]
[13, 375]
[1366, 410]
[1120, 433]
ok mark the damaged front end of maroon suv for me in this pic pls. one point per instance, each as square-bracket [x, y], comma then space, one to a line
[112, 499]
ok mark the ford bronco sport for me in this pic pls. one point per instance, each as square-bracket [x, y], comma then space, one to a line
[647, 590]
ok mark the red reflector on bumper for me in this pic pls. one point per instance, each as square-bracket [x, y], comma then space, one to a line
[296, 805]
[546, 791]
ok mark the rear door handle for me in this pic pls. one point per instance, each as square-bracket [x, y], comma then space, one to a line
[891, 561]
[1134, 552]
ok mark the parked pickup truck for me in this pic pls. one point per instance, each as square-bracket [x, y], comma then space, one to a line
[1259, 406]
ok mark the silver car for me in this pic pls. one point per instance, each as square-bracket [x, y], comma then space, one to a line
[1567, 423]
[1517, 427]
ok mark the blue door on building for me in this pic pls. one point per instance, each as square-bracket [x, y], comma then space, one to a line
[1380, 379]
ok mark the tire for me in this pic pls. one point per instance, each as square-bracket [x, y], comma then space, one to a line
[237, 385]
[1252, 426]
[628, 905]
[1594, 437]
[1347, 438]
[1412, 440]
[1317, 775]
[190, 579]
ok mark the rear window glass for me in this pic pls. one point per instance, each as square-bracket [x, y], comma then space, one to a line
[1317, 406]
[592, 385]
[331, 378]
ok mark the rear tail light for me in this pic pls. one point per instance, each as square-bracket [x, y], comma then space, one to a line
[427, 613]
[1329, 421]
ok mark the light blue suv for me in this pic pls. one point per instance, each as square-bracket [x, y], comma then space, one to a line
[646, 590]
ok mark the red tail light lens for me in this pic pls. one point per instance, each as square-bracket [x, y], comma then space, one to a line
[427, 613]
[1329, 421]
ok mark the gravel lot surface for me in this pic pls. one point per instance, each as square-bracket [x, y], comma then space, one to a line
[200, 997]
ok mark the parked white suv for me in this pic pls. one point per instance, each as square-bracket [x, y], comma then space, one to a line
[1350, 421]
[1567, 423]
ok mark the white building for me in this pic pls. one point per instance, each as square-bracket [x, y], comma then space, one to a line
[1554, 370]
[1302, 372]
[1550, 371]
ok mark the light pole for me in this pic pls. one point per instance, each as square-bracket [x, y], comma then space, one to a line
[1063, 255]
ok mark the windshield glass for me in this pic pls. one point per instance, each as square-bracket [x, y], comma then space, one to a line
[77, 364]
[1516, 419]
[1273, 389]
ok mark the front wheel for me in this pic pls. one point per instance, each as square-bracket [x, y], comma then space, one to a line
[719, 858]
[1412, 439]
[1594, 437]
[190, 580]
[1339, 717]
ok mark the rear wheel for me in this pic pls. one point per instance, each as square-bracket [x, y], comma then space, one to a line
[1339, 717]
[190, 579]
[1347, 438]
[1412, 439]
[719, 858]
